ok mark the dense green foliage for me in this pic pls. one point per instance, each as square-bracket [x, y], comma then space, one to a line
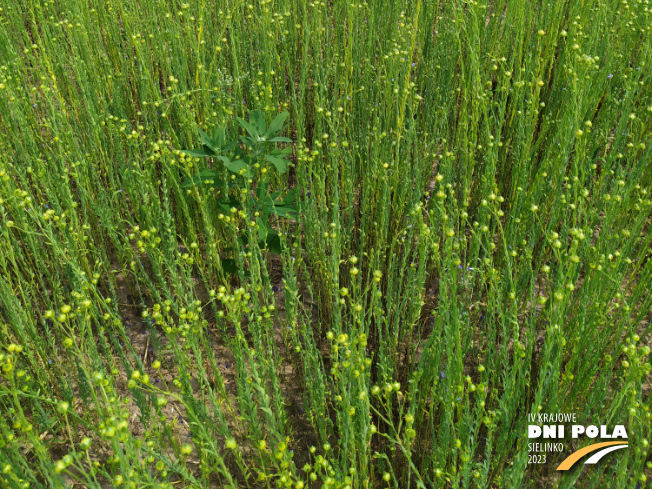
[450, 233]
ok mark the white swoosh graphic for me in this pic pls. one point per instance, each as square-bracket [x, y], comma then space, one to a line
[596, 458]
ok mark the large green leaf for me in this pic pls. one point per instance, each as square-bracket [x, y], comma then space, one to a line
[277, 124]
[229, 146]
[229, 266]
[290, 197]
[272, 243]
[268, 206]
[257, 120]
[219, 136]
[206, 140]
[280, 152]
[205, 176]
[280, 164]
[199, 153]
[237, 166]
[261, 188]
[284, 211]
[263, 229]
[251, 129]
[226, 204]
[249, 142]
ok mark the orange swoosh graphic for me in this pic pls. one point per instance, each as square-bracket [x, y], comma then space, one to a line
[574, 457]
